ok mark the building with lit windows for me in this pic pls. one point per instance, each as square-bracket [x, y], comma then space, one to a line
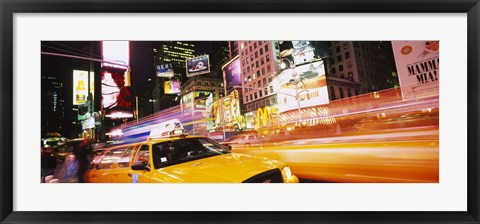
[359, 67]
[233, 48]
[259, 64]
[173, 54]
[53, 105]
[169, 63]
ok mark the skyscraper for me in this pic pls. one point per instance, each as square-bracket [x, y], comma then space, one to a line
[53, 105]
[358, 67]
[169, 63]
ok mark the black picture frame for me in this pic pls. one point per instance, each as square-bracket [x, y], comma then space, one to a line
[10, 7]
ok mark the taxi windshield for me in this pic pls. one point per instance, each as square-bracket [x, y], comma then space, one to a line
[185, 150]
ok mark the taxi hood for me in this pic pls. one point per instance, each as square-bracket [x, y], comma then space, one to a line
[226, 168]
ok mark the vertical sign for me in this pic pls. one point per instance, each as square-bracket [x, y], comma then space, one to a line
[418, 68]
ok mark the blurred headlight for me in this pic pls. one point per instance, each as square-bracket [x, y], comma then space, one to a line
[287, 173]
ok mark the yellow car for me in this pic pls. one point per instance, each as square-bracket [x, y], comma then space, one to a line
[170, 156]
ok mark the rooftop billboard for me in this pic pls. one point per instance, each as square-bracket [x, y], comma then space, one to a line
[198, 65]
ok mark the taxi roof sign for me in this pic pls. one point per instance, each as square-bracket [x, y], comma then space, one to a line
[167, 129]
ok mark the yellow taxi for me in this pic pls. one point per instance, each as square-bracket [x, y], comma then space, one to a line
[171, 156]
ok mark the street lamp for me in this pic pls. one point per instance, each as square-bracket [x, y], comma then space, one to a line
[153, 104]
[297, 80]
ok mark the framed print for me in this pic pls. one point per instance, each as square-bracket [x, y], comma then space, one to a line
[240, 111]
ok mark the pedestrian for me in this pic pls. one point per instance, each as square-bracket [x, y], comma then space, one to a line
[83, 154]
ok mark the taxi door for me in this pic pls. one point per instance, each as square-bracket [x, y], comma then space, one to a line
[142, 155]
[121, 169]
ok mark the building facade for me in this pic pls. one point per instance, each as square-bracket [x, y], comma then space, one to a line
[359, 67]
[53, 105]
[259, 64]
[169, 63]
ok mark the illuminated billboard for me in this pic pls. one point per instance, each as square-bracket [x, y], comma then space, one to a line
[198, 65]
[308, 80]
[117, 52]
[303, 52]
[418, 67]
[200, 99]
[172, 87]
[116, 95]
[231, 75]
[80, 88]
[164, 70]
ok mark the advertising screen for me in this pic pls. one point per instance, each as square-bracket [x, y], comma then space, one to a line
[200, 100]
[198, 65]
[231, 75]
[117, 52]
[80, 88]
[418, 67]
[308, 81]
[172, 87]
[164, 70]
[115, 95]
[303, 52]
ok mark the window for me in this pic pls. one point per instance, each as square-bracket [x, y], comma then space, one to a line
[271, 89]
[257, 64]
[263, 71]
[262, 61]
[337, 49]
[266, 91]
[258, 73]
[345, 45]
[255, 45]
[332, 92]
[349, 64]
[255, 95]
[339, 58]
[347, 55]
[349, 93]
[356, 92]
[251, 98]
[341, 92]
[261, 51]
[213, 84]
[267, 58]
[260, 93]
[340, 68]
[142, 155]
[185, 150]
[250, 47]
[256, 54]
[259, 83]
[333, 71]
[266, 48]
[269, 69]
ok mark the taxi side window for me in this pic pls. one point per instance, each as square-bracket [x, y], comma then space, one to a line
[111, 158]
[106, 161]
[125, 160]
[143, 155]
